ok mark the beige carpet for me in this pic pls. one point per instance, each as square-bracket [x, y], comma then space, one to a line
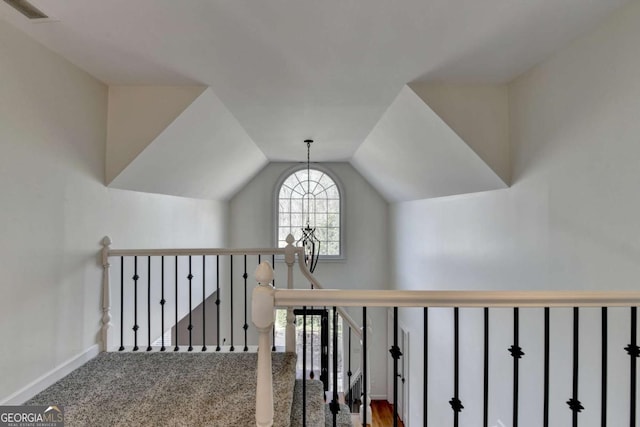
[169, 389]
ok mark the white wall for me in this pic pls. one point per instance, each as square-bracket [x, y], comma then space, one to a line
[251, 216]
[136, 116]
[56, 209]
[569, 221]
[479, 114]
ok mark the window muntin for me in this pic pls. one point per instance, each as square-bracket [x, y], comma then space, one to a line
[316, 196]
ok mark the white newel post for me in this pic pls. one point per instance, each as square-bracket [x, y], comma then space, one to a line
[106, 295]
[290, 330]
[367, 405]
[262, 313]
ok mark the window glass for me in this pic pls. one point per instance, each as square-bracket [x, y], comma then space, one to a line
[310, 197]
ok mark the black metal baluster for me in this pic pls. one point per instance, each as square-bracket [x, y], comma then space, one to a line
[426, 366]
[135, 303]
[335, 406]
[486, 369]
[204, 304]
[304, 366]
[273, 332]
[395, 354]
[162, 302]
[311, 374]
[546, 368]
[516, 353]
[176, 348]
[273, 264]
[574, 403]
[634, 352]
[605, 344]
[121, 304]
[190, 327]
[217, 302]
[245, 326]
[349, 373]
[149, 303]
[232, 348]
[364, 366]
[455, 402]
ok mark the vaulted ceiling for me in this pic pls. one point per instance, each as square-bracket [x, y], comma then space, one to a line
[250, 80]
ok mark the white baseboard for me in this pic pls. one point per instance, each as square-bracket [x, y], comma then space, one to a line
[56, 374]
[378, 397]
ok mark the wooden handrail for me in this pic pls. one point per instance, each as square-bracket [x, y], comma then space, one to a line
[390, 298]
[195, 252]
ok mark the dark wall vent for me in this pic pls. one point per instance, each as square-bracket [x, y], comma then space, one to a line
[26, 8]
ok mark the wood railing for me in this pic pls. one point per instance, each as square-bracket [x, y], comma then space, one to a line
[611, 391]
[157, 290]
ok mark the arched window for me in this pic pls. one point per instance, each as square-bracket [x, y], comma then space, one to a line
[312, 197]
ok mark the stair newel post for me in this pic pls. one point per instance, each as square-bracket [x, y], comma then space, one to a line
[262, 313]
[106, 294]
[290, 331]
[366, 404]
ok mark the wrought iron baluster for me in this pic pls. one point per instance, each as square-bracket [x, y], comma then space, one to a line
[516, 353]
[633, 351]
[364, 367]
[175, 327]
[121, 304]
[486, 369]
[149, 303]
[545, 419]
[425, 387]
[162, 302]
[455, 402]
[190, 327]
[304, 366]
[395, 354]
[135, 303]
[603, 407]
[574, 403]
[232, 348]
[245, 326]
[273, 338]
[217, 302]
[349, 373]
[204, 304]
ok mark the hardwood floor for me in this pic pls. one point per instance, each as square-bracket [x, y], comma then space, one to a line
[382, 415]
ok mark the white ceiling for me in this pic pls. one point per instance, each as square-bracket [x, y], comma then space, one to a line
[444, 166]
[295, 69]
[204, 153]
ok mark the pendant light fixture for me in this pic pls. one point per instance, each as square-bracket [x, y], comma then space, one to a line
[309, 241]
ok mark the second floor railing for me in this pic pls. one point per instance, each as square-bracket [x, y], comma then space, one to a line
[617, 402]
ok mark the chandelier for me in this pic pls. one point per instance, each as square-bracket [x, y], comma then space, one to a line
[309, 241]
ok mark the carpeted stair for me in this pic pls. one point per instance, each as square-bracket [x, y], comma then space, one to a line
[318, 412]
[343, 418]
[315, 404]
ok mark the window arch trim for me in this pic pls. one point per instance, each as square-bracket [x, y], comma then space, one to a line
[276, 209]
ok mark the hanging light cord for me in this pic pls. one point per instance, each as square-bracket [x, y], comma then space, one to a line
[308, 141]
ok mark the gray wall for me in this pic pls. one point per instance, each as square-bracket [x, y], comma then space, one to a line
[366, 266]
[569, 221]
[56, 209]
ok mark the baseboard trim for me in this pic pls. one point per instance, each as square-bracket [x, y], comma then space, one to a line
[378, 397]
[56, 374]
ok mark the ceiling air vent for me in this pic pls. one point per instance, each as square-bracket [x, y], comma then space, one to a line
[26, 8]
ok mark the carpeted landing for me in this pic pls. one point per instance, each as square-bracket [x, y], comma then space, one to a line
[181, 389]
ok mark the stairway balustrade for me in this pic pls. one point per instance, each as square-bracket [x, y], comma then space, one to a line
[152, 280]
